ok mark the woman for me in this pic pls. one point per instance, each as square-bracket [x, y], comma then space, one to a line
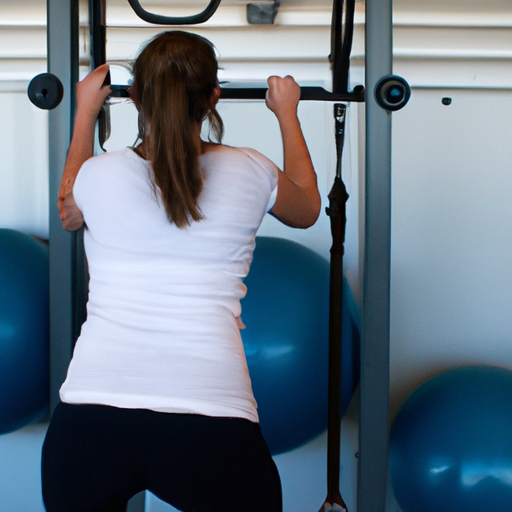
[158, 394]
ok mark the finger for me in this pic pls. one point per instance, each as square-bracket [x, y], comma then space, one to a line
[105, 75]
[273, 80]
[98, 76]
[102, 70]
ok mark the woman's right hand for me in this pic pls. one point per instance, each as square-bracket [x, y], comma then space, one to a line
[298, 201]
[283, 95]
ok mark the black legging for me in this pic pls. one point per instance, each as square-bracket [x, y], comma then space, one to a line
[95, 458]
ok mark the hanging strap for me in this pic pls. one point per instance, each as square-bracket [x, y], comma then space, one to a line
[341, 45]
[337, 199]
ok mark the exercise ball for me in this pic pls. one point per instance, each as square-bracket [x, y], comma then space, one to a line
[451, 443]
[286, 313]
[24, 354]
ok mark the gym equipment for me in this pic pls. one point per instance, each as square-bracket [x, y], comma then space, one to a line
[45, 91]
[157, 19]
[261, 13]
[340, 52]
[337, 200]
[67, 263]
[392, 92]
[341, 46]
[451, 443]
[24, 344]
[286, 341]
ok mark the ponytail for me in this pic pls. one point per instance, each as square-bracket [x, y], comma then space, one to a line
[175, 77]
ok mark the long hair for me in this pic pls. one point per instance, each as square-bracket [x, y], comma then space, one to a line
[174, 78]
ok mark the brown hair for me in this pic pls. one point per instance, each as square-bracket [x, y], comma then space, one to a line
[174, 78]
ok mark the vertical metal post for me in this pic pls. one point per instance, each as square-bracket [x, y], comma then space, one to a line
[68, 275]
[374, 419]
[62, 40]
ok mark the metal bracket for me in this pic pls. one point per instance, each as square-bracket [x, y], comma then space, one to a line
[262, 13]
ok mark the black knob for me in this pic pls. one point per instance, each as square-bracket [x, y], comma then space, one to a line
[45, 91]
[392, 92]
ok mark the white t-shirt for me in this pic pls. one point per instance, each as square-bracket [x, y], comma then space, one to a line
[161, 330]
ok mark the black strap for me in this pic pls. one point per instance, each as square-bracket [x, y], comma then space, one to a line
[338, 197]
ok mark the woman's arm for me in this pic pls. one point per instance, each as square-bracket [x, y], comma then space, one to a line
[298, 200]
[90, 96]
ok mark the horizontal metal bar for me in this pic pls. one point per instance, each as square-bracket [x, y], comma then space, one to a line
[308, 93]
[235, 92]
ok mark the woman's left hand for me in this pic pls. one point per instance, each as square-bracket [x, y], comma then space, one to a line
[91, 93]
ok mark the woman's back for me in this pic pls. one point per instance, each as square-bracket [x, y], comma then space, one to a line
[162, 293]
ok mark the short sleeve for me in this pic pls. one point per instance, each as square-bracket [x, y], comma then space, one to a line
[271, 171]
[82, 183]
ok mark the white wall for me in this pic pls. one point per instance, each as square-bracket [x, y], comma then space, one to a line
[452, 234]
[451, 214]
[24, 133]
[24, 174]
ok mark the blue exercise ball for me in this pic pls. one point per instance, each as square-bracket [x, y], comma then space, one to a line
[286, 312]
[24, 353]
[451, 443]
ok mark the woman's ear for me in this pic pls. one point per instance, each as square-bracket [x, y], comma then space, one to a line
[214, 98]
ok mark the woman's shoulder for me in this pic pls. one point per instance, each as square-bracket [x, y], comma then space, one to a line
[111, 161]
[251, 156]
[124, 154]
[111, 166]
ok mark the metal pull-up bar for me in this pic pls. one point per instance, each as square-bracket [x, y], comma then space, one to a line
[239, 91]
[341, 44]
